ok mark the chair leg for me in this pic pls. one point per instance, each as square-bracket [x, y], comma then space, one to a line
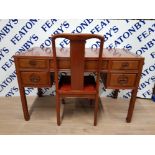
[115, 93]
[40, 93]
[95, 111]
[58, 109]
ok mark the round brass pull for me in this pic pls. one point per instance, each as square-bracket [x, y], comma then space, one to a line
[122, 79]
[32, 63]
[125, 65]
[34, 78]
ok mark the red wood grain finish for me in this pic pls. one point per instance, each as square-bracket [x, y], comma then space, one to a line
[33, 63]
[65, 52]
[89, 85]
[77, 64]
[124, 65]
[35, 78]
[121, 80]
[120, 69]
[91, 53]
[76, 85]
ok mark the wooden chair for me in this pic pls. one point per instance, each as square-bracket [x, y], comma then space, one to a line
[77, 85]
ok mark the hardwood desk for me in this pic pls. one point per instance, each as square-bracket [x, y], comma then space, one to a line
[121, 69]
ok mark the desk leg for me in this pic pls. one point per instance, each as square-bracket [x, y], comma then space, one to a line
[24, 104]
[131, 105]
[134, 93]
[96, 109]
[115, 93]
[40, 93]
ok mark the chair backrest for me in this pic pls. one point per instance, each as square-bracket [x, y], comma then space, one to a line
[77, 57]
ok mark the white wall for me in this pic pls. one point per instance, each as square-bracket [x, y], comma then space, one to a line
[19, 35]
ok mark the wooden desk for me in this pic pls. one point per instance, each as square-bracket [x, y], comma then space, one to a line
[121, 69]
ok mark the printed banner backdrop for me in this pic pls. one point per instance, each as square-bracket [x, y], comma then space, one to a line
[17, 36]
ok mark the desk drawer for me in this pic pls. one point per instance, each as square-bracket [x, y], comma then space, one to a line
[122, 65]
[121, 80]
[35, 78]
[33, 63]
[93, 64]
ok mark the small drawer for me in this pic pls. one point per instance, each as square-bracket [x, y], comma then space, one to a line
[122, 65]
[93, 64]
[33, 63]
[35, 78]
[62, 64]
[104, 65]
[121, 80]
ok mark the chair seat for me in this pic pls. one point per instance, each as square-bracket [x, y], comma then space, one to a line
[89, 83]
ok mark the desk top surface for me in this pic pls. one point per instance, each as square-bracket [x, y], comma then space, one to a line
[64, 52]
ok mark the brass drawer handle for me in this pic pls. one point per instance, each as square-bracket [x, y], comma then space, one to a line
[34, 78]
[32, 62]
[122, 79]
[125, 65]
